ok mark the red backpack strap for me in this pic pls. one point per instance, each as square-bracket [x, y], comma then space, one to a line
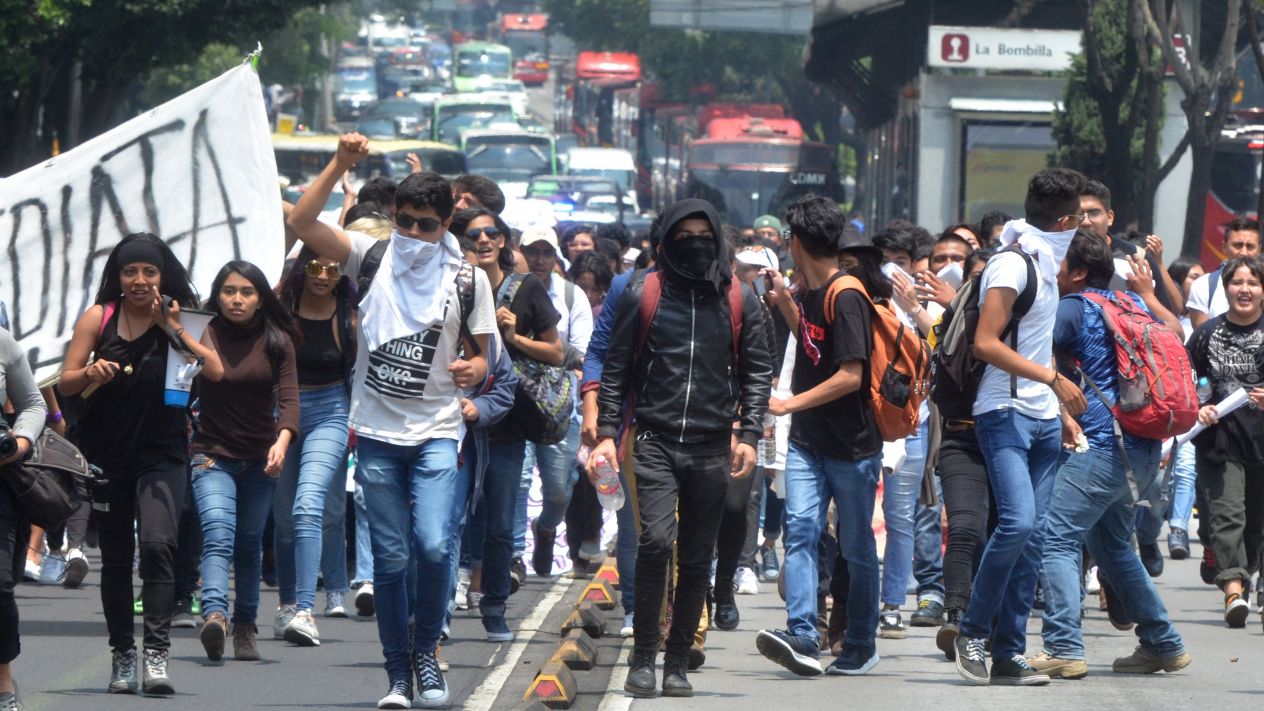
[735, 314]
[651, 294]
[109, 308]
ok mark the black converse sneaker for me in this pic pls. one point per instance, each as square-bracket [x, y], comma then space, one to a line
[1015, 671]
[432, 689]
[972, 659]
[400, 695]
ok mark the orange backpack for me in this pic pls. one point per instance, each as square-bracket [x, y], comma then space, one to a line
[899, 368]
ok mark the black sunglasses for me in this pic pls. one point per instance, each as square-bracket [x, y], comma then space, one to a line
[473, 235]
[425, 224]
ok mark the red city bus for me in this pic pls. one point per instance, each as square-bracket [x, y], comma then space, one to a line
[598, 75]
[751, 166]
[526, 35]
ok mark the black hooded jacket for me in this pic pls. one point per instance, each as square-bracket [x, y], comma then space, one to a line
[684, 384]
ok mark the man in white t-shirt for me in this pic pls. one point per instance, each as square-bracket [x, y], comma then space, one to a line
[558, 473]
[406, 404]
[1207, 295]
[1016, 421]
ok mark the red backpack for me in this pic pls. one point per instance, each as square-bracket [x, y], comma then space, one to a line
[1156, 399]
[652, 293]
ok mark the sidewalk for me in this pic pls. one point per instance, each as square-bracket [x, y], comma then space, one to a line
[1227, 668]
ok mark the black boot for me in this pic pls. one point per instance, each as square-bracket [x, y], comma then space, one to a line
[725, 613]
[675, 676]
[641, 682]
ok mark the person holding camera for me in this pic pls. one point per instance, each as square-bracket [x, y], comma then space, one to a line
[18, 386]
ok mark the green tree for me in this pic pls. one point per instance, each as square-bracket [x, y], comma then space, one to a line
[1112, 110]
[70, 66]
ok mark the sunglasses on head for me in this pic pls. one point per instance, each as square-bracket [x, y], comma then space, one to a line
[314, 269]
[425, 224]
[473, 235]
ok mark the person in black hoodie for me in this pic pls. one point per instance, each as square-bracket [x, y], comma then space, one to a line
[688, 384]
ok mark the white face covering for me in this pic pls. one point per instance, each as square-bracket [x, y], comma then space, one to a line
[952, 274]
[1050, 247]
[415, 277]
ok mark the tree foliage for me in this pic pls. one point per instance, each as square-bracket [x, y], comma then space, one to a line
[111, 45]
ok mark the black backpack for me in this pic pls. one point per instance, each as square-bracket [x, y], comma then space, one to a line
[955, 372]
[464, 286]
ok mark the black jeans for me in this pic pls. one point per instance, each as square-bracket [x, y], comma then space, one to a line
[583, 516]
[155, 495]
[188, 549]
[74, 532]
[733, 527]
[670, 478]
[750, 547]
[10, 533]
[971, 512]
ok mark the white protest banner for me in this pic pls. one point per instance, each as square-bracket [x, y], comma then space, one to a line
[198, 171]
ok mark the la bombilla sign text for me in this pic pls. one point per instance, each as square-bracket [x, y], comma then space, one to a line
[988, 48]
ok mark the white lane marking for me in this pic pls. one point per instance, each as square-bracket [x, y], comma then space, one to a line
[484, 697]
[616, 699]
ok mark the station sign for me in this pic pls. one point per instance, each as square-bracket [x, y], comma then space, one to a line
[1002, 49]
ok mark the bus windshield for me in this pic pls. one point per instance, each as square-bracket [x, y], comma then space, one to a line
[508, 158]
[482, 63]
[523, 43]
[453, 120]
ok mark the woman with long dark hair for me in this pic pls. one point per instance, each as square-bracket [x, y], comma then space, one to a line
[528, 324]
[244, 429]
[139, 442]
[321, 300]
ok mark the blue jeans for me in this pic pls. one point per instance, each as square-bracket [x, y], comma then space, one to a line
[928, 549]
[1183, 493]
[233, 498]
[500, 493]
[1091, 504]
[364, 550]
[626, 543]
[811, 480]
[899, 501]
[1022, 456]
[558, 475]
[412, 494]
[333, 547]
[312, 464]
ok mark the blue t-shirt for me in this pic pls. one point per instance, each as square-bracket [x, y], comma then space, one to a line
[1080, 335]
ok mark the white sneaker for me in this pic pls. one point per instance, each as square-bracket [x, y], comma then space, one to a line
[364, 600]
[1091, 586]
[284, 615]
[52, 570]
[32, 571]
[302, 630]
[627, 630]
[747, 582]
[77, 568]
[462, 588]
[592, 552]
[475, 598]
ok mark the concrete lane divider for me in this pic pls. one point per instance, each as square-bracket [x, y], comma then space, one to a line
[554, 686]
[609, 572]
[586, 617]
[599, 593]
[577, 651]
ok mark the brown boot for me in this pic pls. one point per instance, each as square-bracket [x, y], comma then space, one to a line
[214, 630]
[244, 648]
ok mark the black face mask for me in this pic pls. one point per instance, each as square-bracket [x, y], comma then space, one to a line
[695, 255]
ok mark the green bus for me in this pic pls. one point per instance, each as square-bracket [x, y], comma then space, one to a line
[454, 114]
[472, 61]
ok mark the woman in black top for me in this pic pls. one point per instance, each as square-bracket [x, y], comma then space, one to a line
[315, 473]
[1229, 455]
[140, 443]
[528, 324]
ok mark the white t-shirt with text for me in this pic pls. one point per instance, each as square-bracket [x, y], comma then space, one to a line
[402, 393]
[1198, 296]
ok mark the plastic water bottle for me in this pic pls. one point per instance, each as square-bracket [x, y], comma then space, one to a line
[1204, 390]
[609, 490]
[766, 450]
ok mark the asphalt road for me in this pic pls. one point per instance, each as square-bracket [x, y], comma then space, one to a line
[65, 660]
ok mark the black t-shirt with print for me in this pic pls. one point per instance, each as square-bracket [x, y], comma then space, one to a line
[535, 313]
[1231, 357]
[843, 428]
[531, 305]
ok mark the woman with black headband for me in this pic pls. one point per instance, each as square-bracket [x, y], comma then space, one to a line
[140, 442]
